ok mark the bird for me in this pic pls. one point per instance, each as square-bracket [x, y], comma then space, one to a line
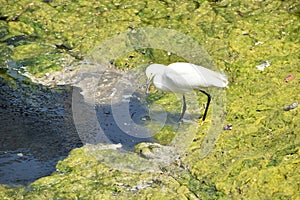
[182, 77]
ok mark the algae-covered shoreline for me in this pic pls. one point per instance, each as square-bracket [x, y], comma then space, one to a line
[258, 159]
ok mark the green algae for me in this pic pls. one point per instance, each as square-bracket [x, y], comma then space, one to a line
[257, 159]
[146, 56]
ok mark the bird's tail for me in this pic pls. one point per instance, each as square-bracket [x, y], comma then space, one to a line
[224, 80]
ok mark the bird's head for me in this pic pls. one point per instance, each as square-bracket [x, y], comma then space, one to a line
[153, 70]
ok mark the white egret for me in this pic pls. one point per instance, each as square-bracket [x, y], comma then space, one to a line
[183, 77]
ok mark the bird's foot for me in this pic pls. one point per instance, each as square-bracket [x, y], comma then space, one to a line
[201, 122]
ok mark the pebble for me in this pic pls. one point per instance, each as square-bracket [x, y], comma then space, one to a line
[227, 127]
[291, 106]
[262, 66]
[289, 78]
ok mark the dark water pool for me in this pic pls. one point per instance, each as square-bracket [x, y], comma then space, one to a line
[36, 129]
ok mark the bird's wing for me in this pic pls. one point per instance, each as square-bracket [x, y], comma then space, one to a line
[211, 78]
[186, 75]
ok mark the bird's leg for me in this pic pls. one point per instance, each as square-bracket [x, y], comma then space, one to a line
[183, 109]
[207, 104]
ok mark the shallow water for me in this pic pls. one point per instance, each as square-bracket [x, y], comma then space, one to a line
[36, 130]
[111, 129]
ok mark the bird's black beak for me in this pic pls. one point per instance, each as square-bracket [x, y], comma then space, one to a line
[148, 83]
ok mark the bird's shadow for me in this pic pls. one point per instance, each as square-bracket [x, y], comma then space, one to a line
[139, 114]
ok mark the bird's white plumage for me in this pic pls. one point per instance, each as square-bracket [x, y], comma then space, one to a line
[183, 77]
